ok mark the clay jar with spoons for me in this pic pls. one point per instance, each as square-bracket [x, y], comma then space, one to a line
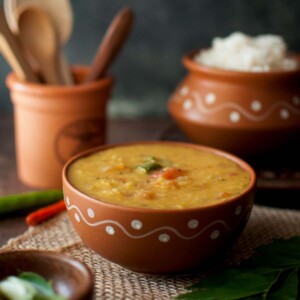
[241, 112]
[55, 122]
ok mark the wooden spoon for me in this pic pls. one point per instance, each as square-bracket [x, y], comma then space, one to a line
[10, 48]
[39, 37]
[60, 13]
[112, 43]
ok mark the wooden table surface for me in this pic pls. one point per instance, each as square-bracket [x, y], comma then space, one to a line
[118, 131]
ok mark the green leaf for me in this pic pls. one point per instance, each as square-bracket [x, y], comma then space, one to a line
[286, 287]
[234, 284]
[279, 254]
[270, 274]
[42, 285]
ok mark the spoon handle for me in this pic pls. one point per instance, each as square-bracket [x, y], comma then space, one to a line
[11, 50]
[112, 43]
[65, 70]
[50, 69]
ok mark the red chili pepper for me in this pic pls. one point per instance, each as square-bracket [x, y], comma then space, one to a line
[45, 213]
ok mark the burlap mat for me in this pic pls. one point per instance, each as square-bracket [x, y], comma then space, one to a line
[114, 282]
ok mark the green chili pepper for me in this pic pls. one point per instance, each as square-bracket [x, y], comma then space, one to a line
[11, 203]
[150, 164]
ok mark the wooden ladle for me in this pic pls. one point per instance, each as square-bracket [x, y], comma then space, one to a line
[111, 44]
[39, 37]
[10, 48]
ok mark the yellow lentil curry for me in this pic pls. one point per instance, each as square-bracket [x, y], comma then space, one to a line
[158, 176]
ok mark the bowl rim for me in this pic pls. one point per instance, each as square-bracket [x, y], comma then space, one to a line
[86, 284]
[192, 65]
[243, 164]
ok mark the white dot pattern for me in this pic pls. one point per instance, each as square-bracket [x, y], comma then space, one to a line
[164, 238]
[184, 90]
[234, 117]
[192, 224]
[187, 104]
[67, 200]
[256, 105]
[91, 213]
[210, 98]
[284, 114]
[110, 230]
[215, 234]
[136, 224]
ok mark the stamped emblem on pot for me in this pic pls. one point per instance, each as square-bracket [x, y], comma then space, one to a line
[78, 136]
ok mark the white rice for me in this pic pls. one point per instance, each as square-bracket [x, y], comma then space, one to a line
[244, 53]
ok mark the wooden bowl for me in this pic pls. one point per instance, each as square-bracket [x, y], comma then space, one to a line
[70, 278]
[157, 240]
[241, 112]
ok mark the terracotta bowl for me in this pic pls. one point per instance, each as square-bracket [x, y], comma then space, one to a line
[70, 278]
[158, 241]
[241, 112]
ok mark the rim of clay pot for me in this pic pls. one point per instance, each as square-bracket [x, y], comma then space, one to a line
[15, 84]
[192, 65]
[251, 187]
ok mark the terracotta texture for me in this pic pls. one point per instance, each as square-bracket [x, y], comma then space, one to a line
[241, 112]
[53, 123]
[69, 277]
[158, 241]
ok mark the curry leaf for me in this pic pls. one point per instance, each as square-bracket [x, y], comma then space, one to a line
[286, 287]
[279, 254]
[234, 284]
[270, 274]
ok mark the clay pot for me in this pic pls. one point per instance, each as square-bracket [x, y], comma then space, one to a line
[53, 123]
[241, 112]
[69, 277]
[153, 240]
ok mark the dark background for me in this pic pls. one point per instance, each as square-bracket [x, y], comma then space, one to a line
[149, 67]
